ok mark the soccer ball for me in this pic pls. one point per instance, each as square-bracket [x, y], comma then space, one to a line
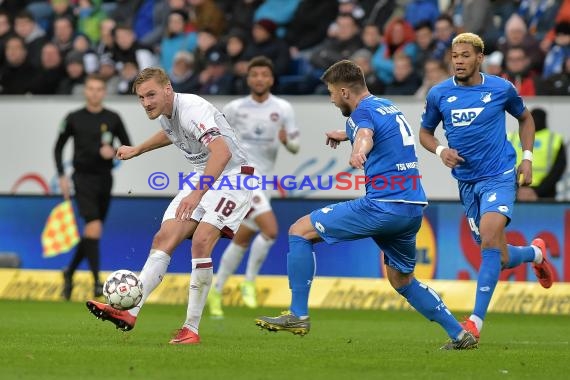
[123, 289]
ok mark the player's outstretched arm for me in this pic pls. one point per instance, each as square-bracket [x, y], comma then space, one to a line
[334, 138]
[158, 140]
[363, 144]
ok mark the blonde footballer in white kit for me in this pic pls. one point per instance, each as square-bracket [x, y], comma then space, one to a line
[203, 213]
[263, 122]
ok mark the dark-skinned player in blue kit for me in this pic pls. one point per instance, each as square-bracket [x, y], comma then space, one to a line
[471, 106]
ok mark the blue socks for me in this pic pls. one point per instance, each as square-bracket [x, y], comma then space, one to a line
[301, 270]
[487, 280]
[426, 301]
[519, 255]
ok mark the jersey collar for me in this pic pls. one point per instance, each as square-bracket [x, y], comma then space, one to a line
[363, 99]
[250, 97]
[480, 73]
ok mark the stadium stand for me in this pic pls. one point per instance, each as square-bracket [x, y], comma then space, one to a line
[135, 34]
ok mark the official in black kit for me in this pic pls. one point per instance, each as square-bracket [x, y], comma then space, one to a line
[93, 129]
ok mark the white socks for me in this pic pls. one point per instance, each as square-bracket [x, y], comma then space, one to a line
[230, 261]
[259, 249]
[200, 283]
[537, 254]
[151, 275]
[233, 255]
[478, 321]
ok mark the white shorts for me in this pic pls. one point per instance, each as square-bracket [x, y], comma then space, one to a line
[224, 208]
[260, 204]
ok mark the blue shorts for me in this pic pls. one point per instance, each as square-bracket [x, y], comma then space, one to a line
[393, 226]
[495, 194]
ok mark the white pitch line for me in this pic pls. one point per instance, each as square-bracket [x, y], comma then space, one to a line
[529, 342]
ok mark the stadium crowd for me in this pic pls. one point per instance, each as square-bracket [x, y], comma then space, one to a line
[403, 46]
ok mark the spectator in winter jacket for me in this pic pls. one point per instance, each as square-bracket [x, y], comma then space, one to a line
[398, 37]
[342, 46]
[265, 42]
[554, 61]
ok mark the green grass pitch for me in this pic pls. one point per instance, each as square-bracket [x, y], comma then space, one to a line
[44, 340]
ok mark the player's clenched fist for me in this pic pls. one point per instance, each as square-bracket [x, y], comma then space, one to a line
[126, 152]
[451, 158]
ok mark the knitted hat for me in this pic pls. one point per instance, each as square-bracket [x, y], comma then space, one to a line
[216, 56]
[74, 57]
[562, 28]
[269, 25]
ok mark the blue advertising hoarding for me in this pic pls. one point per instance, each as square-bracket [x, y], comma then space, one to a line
[445, 249]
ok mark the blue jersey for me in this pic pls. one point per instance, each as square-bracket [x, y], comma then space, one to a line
[391, 167]
[474, 123]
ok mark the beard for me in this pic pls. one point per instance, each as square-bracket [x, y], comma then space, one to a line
[260, 93]
[345, 110]
[152, 114]
[462, 79]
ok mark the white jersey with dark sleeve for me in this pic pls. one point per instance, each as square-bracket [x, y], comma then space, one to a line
[195, 122]
[257, 126]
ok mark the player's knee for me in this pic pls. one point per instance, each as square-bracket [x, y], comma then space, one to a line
[157, 239]
[491, 235]
[201, 246]
[160, 240]
[491, 240]
[303, 227]
[295, 229]
[241, 241]
[400, 280]
[270, 233]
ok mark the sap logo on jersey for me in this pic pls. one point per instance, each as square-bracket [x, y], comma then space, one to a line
[464, 117]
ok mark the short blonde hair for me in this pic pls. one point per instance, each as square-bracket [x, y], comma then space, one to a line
[471, 39]
[149, 73]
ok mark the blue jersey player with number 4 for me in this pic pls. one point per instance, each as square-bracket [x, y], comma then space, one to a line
[471, 105]
[390, 212]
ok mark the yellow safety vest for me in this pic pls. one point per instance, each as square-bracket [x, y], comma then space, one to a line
[546, 147]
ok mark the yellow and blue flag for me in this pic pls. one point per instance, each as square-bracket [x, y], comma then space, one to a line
[60, 233]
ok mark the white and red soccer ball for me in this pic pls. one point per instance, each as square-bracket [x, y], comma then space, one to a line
[123, 289]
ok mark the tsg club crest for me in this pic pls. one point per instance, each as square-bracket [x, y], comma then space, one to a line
[485, 97]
